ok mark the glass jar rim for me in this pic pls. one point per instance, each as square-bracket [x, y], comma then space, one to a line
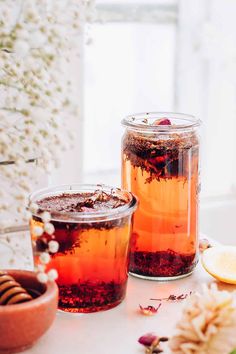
[182, 121]
[85, 217]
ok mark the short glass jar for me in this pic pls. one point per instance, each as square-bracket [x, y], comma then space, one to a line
[93, 228]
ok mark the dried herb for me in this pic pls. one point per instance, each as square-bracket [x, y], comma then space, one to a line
[61, 204]
[89, 297]
[161, 158]
[174, 297]
[149, 310]
[88, 204]
[162, 263]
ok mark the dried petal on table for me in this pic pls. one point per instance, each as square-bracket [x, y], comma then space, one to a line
[173, 297]
[149, 310]
[204, 244]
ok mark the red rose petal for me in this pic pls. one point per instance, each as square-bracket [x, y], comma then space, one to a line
[159, 160]
[162, 121]
[149, 310]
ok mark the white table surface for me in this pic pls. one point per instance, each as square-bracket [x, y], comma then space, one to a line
[116, 331]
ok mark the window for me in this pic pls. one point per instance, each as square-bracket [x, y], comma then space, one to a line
[155, 55]
[205, 76]
[129, 67]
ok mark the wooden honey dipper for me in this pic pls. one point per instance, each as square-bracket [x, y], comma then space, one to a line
[11, 292]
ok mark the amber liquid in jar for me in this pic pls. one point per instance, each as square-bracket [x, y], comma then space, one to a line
[161, 169]
[92, 260]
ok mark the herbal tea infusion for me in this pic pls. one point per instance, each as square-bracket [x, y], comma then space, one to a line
[160, 166]
[93, 227]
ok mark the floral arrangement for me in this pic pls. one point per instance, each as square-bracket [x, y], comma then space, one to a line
[38, 43]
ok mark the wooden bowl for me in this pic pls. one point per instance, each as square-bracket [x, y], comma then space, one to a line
[21, 325]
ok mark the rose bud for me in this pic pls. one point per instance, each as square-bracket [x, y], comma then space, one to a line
[148, 339]
[162, 121]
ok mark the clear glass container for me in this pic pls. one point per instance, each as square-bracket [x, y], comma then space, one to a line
[160, 165]
[92, 260]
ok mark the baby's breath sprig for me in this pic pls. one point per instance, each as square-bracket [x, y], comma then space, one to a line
[38, 43]
[51, 246]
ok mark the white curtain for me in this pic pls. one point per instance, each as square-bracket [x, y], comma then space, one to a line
[206, 86]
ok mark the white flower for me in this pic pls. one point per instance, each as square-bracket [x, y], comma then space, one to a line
[5, 223]
[53, 246]
[208, 324]
[49, 228]
[37, 231]
[45, 216]
[52, 275]
[27, 215]
[21, 196]
[37, 39]
[45, 258]
[204, 244]
[33, 207]
[4, 139]
[23, 34]
[20, 163]
[4, 206]
[41, 268]
[42, 277]
[21, 48]
[35, 85]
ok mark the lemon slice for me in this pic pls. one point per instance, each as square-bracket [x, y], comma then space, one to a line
[220, 262]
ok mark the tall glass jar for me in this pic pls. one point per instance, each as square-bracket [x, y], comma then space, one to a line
[160, 165]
